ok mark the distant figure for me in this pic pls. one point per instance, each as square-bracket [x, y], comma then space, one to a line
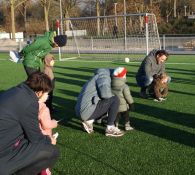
[29, 41]
[115, 31]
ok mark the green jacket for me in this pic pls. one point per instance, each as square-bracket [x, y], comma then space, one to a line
[35, 52]
[121, 89]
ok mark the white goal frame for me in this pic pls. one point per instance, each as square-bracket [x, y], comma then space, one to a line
[95, 37]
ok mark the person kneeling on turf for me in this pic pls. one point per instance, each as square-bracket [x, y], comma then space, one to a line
[97, 99]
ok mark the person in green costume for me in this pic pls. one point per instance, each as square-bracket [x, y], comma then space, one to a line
[34, 53]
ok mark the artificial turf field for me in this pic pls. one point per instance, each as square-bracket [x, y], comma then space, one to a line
[163, 141]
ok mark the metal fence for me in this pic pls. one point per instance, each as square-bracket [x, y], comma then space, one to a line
[174, 44]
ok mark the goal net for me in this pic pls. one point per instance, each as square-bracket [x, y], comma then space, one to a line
[110, 37]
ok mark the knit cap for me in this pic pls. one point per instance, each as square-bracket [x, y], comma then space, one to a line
[60, 40]
[120, 72]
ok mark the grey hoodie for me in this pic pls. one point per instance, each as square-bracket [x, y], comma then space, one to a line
[97, 88]
[150, 67]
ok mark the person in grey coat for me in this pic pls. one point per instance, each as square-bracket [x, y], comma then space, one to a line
[95, 100]
[24, 150]
[153, 64]
[121, 89]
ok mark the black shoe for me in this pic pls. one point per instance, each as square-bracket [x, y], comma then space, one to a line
[143, 95]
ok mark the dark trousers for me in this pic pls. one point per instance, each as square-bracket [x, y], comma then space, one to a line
[46, 157]
[50, 97]
[30, 70]
[49, 101]
[122, 115]
[109, 106]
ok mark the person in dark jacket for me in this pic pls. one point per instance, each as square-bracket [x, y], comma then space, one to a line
[35, 52]
[153, 64]
[24, 150]
[95, 100]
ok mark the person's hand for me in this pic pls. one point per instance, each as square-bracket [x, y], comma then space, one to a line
[53, 141]
[132, 107]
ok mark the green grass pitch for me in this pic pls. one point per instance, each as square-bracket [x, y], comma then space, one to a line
[163, 142]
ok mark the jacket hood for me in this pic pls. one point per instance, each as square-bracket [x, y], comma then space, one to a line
[118, 83]
[51, 36]
[103, 71]
[153, 52]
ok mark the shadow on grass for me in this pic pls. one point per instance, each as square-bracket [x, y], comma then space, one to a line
[174, 117]
[182, 81]
[89, 157]
[165, 132]
[181, 92]
[78, 76]
[180, 71]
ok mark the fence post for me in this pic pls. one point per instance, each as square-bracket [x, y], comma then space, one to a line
[91, 43]
[164, 42]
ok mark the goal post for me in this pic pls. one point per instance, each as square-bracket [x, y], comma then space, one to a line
[110, 37]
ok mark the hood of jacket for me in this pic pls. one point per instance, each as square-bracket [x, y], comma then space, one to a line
[102, 72]
[50, 35]
[117, 83]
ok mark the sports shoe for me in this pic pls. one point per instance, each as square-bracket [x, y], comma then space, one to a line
[88, 127]
[143, 95]
[163, 98]
[114, 132]
[128, 127]
[158, 99]
[14, 56]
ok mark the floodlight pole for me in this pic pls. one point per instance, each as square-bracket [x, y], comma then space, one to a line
[125, 26]
[115, 13]
[185, 10]
[61, 17]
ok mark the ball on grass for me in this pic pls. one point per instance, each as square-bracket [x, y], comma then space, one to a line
[126, 60]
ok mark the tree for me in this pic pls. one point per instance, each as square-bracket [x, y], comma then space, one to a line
[13, 5]
[46, 7]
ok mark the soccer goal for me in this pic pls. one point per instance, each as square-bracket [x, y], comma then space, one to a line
[110, 37]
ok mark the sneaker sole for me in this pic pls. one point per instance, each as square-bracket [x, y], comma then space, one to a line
[111, 135]
[86, 128]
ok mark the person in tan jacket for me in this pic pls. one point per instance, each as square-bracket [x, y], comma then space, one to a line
[48, 70]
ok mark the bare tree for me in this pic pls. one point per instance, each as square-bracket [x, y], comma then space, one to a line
[23, 11]
[46, 7]
[13, 5]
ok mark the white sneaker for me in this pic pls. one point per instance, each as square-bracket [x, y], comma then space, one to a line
[88, 127]
[128, 127]
[163, 98]
[114, 132]
[14, 56]
[158, 100]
